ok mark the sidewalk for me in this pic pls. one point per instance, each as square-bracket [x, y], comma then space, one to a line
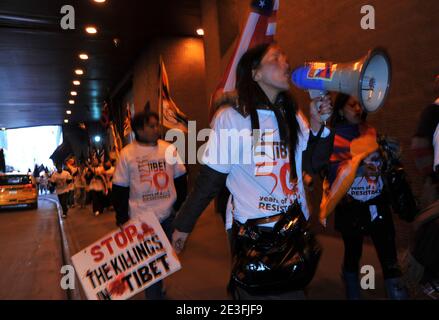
[206, 261]
[30, 259]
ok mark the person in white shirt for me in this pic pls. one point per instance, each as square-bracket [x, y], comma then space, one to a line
[61, 179]
[145, 182]
[98, 187]
[423, 258]
[44, 181]
[273, 181]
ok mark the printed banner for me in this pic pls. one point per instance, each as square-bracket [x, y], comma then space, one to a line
[126, 262]
[321, 71]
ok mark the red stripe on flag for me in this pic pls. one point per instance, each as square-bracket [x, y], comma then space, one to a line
[260, 33]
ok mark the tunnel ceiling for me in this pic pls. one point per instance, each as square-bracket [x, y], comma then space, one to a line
[38, 57]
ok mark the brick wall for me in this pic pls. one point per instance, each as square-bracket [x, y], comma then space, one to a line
[185, 64]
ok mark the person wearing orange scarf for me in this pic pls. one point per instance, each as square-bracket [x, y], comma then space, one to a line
[355, 190]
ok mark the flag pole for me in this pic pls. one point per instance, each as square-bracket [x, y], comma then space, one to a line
[161, 96]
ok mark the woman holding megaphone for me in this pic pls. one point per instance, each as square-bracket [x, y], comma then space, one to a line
[268, 208]
[355, 189]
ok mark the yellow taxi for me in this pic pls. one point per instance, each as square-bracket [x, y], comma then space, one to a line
[18, 189]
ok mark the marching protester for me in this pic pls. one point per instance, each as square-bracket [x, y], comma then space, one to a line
[44, 182]
[80, 185]
[61, 180]
[423, 260]
[426, 151]
[36, 176]
[73, 170]
[356, 189]
[146, 183]
[267, 192]
[98, 186]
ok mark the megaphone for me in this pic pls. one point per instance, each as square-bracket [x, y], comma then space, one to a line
[367, 79]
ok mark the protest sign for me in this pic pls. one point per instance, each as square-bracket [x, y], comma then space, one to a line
[126, 261]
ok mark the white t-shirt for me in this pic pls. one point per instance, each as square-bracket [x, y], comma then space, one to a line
[60, 181]
[98, 182]
[259, 176]
[80, 181]
[150, 177]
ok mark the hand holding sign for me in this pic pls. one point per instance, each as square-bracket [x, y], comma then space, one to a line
[126, 261]
[178, 240]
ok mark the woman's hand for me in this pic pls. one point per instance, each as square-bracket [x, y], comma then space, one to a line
[178, 240]
[319, 106]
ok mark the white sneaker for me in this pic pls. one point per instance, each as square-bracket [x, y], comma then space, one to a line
[96, 213]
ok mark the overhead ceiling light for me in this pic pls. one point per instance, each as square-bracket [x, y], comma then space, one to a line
[71, 101]
[69, 111]
[83, 56]
[79, 72]
[66, 120]
[200, 32]
[74, 93]
[99, 1]
[76, 82]
[91, 30]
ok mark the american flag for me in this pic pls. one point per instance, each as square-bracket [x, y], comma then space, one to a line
[259, 29]
[170, 115]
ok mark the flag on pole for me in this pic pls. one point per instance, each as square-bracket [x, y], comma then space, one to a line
[127, 122]
[352, 144]
[117, 142]
[259, 29]
[170, 115]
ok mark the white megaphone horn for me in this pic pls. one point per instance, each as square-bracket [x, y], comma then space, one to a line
[367, 79]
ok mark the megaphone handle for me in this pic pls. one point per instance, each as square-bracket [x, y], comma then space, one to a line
[319, 94]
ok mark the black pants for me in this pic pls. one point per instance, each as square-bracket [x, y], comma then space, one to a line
[354, 223]
[63, 201]
[98, 200]
[155, 292]
[71, 199]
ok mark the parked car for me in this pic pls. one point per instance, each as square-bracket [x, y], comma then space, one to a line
[10, 169]
[18, 189]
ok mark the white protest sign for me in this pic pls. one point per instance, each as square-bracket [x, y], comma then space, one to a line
[124, 263]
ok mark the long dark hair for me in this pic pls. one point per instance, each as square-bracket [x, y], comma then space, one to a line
[251, 97]
[340, 101]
